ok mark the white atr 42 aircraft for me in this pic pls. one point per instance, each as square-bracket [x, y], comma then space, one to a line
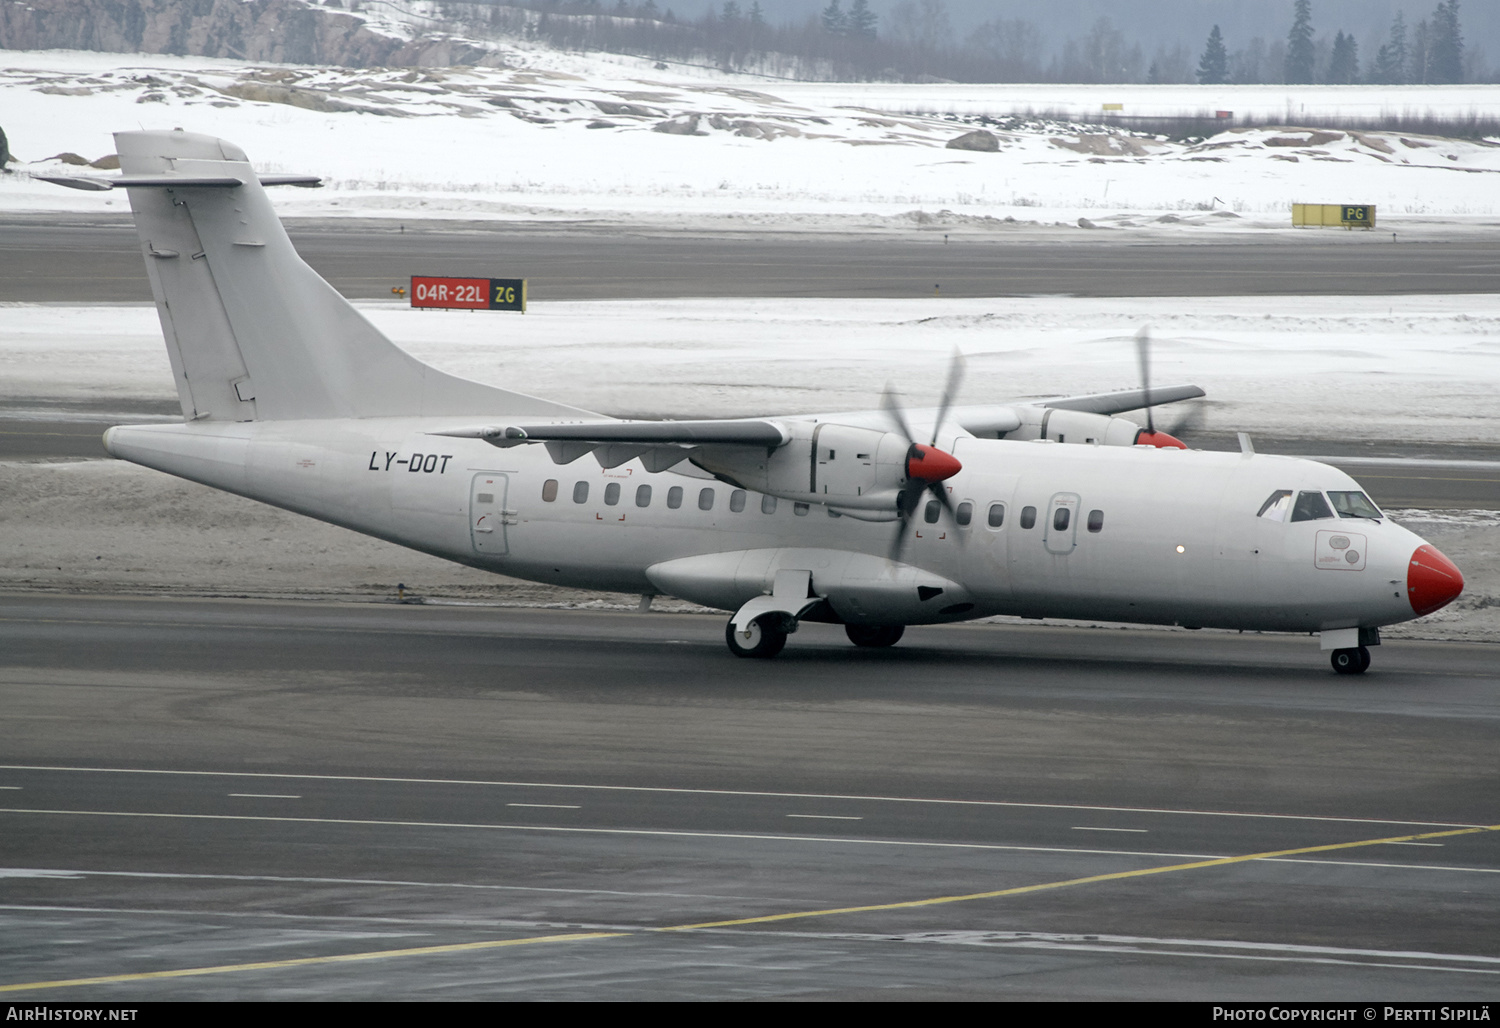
[1054, 509]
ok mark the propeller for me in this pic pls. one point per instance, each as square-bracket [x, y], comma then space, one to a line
[927, 467]
[1150, 437]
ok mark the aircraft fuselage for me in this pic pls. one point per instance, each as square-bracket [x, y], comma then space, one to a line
[1136, 535]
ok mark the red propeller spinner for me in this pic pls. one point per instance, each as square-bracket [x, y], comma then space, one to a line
[1162, 439]
[928, 464]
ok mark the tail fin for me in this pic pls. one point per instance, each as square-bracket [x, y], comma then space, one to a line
[253, 332]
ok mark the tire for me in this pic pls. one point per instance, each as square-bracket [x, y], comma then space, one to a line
[874, 635]
[1352, 661]
[760, 640]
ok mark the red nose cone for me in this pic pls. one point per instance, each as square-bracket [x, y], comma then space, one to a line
[1162, 439]
[929, 464]
[1432, 582]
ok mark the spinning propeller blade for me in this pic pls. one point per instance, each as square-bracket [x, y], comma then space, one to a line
[927, 467]
[1150, 437]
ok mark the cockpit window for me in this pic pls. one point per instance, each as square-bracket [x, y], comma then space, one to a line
[1310, 507]
[1276, 505]
[1354, 505]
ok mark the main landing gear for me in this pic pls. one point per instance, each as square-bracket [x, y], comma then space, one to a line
[1353, 661]
[766, 635]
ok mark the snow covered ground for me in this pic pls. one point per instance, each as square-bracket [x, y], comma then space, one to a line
[569, 135]
[1408, 367]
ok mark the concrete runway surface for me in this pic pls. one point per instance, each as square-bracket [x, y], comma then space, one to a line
[295, 801]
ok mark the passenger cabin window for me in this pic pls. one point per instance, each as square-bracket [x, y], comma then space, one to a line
[1276, 506]
[674, 497]
[1028, 517]
[705, 499]
[930, 514]
[964, 513]
[997, 515]
[549, 490]
[1354, 505]
[581, 492]
[612, 493]
[485, 497]
[643, 496]
[768, 505]
[737, 500]
[1310, 507]
[1096, 521]
[1060, 518]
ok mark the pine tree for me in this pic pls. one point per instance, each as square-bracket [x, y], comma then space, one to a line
[1299, 45]
[1391, 60]
[1419, 68]
[1446, 64]
[862, 20]
[1343, 64]
[1213, 66]
[835, 20]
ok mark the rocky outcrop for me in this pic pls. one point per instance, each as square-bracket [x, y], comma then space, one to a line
[283, 31]
[979, 139]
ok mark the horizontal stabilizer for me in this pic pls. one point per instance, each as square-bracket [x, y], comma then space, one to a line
[99, 184]
[1126, 400]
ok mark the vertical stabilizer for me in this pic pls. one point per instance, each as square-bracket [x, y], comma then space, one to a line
[253, 332]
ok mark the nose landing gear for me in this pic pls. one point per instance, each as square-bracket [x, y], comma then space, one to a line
[763, 637]
[1353, 661]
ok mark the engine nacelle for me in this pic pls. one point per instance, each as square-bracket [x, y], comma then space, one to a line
[1076, 426]
[840, 466]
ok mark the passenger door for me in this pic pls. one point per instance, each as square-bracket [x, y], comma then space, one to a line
[488, 515]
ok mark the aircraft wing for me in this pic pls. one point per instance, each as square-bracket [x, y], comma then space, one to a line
[656, 433]
[659, 444]
[1126, 400]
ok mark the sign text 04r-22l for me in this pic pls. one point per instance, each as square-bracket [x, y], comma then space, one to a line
[473, 294]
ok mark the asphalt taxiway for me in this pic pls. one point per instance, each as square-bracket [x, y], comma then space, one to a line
[273, 800]
[52, 259]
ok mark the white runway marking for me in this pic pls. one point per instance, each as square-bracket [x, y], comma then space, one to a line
[1092, 828]
[1005, 804]
[667, 833]
[827, 817]
[265, 795]
[548, 806]
[1199, 948]
[34, 872]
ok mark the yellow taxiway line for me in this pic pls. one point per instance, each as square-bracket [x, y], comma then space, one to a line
[1020, 890]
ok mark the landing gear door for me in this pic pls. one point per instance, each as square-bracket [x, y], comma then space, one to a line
[1060, 532]
[488, 515]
